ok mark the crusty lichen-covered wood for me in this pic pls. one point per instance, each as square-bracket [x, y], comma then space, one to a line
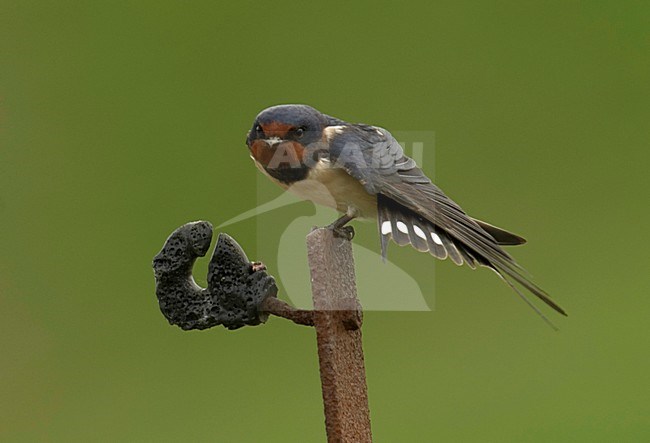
[337, 319]
[236, 287]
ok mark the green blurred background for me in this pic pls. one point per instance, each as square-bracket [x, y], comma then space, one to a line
[119, 121]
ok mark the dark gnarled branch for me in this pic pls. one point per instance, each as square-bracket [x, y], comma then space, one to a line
[239, 292]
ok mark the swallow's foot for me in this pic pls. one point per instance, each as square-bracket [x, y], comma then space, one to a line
[339, 228]
[341, 221]
[346, 232]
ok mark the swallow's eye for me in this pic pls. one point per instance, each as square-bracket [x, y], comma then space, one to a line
[300, 132]
[258, 128]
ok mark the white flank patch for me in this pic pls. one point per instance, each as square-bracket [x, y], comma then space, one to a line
[419, 232]
[436, 239]
[385, 228]
[401, 226]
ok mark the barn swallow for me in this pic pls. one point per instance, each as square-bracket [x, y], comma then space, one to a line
[361, 171]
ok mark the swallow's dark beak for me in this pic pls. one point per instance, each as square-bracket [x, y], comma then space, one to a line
[272, 141]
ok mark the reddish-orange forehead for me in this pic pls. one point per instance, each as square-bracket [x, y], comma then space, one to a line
[276, 129]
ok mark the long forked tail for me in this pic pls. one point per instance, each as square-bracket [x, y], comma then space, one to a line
[526, 299]
[475, 246]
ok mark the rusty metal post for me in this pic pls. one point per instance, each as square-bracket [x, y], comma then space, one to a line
[337, 319]
[241, 293]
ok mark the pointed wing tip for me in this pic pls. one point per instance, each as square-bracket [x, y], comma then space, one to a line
[502, 237]
[515, 240]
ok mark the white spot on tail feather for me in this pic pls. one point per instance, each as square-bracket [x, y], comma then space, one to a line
[385, 228]
[436, 239]
[401, 226]
[419, 232]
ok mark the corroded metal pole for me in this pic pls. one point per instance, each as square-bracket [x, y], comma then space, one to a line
[241, 293]
[337, 319]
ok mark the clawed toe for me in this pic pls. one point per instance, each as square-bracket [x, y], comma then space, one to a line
[346, 232]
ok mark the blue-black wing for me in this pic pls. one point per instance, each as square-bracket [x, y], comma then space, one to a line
[412, 210]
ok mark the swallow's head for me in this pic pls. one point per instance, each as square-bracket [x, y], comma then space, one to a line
[281, 136]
